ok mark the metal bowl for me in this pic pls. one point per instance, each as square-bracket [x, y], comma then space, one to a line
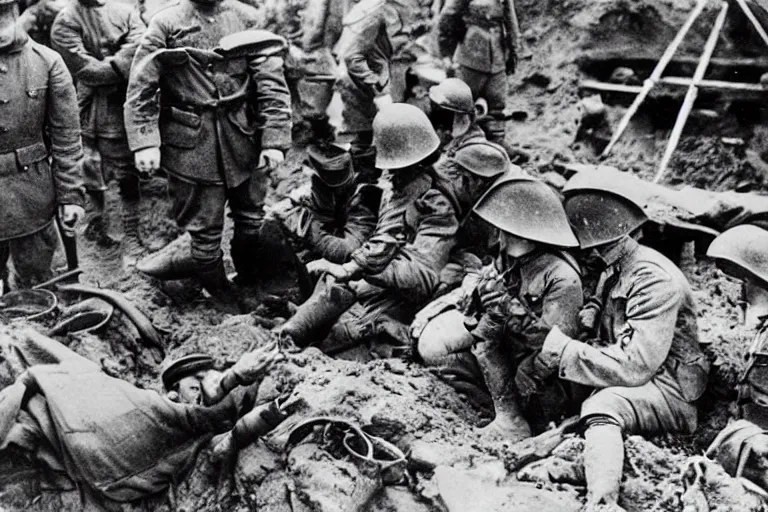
[27, 304]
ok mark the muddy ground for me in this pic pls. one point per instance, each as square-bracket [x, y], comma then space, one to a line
[569, 41]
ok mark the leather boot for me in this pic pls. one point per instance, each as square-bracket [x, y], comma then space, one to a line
[98, 226]
[174, 261]
[317, 314]
[214, 280]
[603, 465]
[244, 251]
[131, 246]
[508, 423]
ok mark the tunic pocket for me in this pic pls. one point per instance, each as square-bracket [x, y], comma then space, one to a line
[180, 128]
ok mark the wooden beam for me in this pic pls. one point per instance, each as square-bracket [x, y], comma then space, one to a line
[673, 80]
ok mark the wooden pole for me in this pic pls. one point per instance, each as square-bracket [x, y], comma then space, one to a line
[693, 90]
[655, 75]
[751, 17]
[674, 80]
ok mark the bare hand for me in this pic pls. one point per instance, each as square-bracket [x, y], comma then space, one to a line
[381, 101]
[322, 266]
[588, 318]
[147, 161]
[70, 215]
[253, 364]
[223, 445]
[270, 158]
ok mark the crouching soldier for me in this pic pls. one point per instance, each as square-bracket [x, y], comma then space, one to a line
[742, 446]
[40, 150]
[116, 442]
[532, 286]
[646, 366]
[483, 38]
[221, 122]
[340, 210]
[397, 270]
[97, 42]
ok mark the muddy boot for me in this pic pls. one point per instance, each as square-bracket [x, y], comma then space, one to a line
[174, 261]
[215, 282]
[462, 372]
[131, 246]
[508, 423]
[317, 314]
[98, 227]
[603, 463]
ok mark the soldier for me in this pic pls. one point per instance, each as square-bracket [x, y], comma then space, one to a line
[340, 211]
[531, 286]
[646, 366]
[483, 38]
[37, 18]
[182, 378]
[221, 124]
[374, 31]
[117, 442]
[38, 121]
[397, 270]
[97, 41]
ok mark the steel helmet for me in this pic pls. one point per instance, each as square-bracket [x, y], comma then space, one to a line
[742, 251]
[453, 94]
[527, 208]
[483, 158]
[403, 136]
[184, 366]
[603, 207]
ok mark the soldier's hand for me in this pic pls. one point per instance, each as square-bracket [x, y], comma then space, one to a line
[70, 215]
[270, 158]
[147, 161]
[323, 266]
[588, 318]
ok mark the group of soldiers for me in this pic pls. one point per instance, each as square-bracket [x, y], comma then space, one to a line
[424, 240]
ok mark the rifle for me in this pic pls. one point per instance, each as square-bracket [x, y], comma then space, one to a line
[539, 447]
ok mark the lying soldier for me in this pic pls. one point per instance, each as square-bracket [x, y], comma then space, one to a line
[397, 271]
[531, 286]
[114, 441]
[646, 366]
[338, 214]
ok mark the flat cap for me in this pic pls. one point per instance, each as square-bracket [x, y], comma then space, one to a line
[183, 367]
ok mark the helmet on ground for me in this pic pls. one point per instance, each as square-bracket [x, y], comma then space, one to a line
[184, 367]
[604, 207]
[403, 136]
[453, 94]
[742, 251]
[330, 163]
[484, 159]
[527, 208]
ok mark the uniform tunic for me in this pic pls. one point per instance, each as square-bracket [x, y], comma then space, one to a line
[40, 145]
[650, 368]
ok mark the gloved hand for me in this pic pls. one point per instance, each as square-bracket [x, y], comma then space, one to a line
[270, 158]
[70, 215]
[323, 266]
[147, 161]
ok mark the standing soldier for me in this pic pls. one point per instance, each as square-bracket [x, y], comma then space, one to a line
[483, 38]
[40, 151]
[223, 124]
[97, 41]
[374, 31]
[646, 367]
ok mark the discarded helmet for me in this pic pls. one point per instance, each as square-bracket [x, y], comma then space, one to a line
[183, 367]
[527, 208]
[742, 251]
[599, 217]
[453, 94]
[403, 136]
[484, 159]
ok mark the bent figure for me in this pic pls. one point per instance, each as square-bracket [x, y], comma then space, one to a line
[647, 367]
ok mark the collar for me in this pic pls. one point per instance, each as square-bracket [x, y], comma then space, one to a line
[457, 143]
[18, 44]
[619, 252]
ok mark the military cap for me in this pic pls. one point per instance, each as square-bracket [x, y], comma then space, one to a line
[184, 367]
[331, 163]
[484, 159]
